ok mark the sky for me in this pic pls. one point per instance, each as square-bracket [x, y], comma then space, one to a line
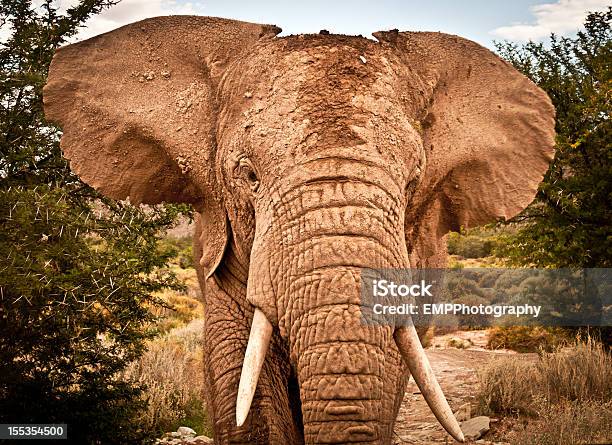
[480, 20]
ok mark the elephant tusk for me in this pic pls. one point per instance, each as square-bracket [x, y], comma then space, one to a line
[413, 354]
[259, 340]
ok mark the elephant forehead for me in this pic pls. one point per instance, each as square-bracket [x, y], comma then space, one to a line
[323, 84]
[321, 78]
[308, 99]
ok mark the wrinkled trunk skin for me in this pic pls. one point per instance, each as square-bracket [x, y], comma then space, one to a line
[350, 375]
[349, 379]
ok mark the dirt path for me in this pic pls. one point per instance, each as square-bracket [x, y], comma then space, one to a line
[456, 371]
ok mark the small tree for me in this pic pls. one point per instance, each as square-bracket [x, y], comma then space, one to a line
[77, 271]
[570, 221]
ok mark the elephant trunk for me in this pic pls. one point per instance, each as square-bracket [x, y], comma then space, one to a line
[341, 367]
[350, 374]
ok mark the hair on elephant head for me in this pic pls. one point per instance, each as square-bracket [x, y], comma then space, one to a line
[307, 158]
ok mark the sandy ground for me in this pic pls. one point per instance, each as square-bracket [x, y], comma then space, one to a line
[457, 373]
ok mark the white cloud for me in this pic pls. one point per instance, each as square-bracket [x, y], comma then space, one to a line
[562, 18]
[127, 11]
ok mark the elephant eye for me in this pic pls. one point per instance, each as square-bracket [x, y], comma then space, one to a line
[245, 171]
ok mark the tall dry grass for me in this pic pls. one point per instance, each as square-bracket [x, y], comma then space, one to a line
[171, 370]
[582, 372]
[506, 386]
[577, 422]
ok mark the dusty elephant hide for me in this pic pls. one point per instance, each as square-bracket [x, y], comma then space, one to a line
[307, 159]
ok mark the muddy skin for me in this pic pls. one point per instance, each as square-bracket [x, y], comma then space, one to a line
[307, 158]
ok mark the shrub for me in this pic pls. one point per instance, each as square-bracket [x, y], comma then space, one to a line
[454, 264]
[181, 306]
[180, 248]
[78, 272]
[475, 243]
[570, 220]
[469, 321]
[526, 338]
[506, 387]
[489, 279]
[459, 343]
[446, 324]
[582, 372]
[181, 310]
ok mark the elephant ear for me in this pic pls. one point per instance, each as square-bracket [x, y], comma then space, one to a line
[488, 131]
[138, 114]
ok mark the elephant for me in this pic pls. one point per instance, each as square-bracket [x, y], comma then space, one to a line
[307, 158]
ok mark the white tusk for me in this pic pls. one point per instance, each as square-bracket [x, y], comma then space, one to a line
[410, 347]
[259, 340]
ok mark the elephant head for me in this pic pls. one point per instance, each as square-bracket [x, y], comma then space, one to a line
[307, 159]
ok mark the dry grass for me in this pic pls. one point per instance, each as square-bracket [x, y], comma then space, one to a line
[582, 372]
[171, 368]
[171, 371]
[512, 385]
[185, 306]
[459, 343]
[507, 387]
[577, 422]
[184, 310]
